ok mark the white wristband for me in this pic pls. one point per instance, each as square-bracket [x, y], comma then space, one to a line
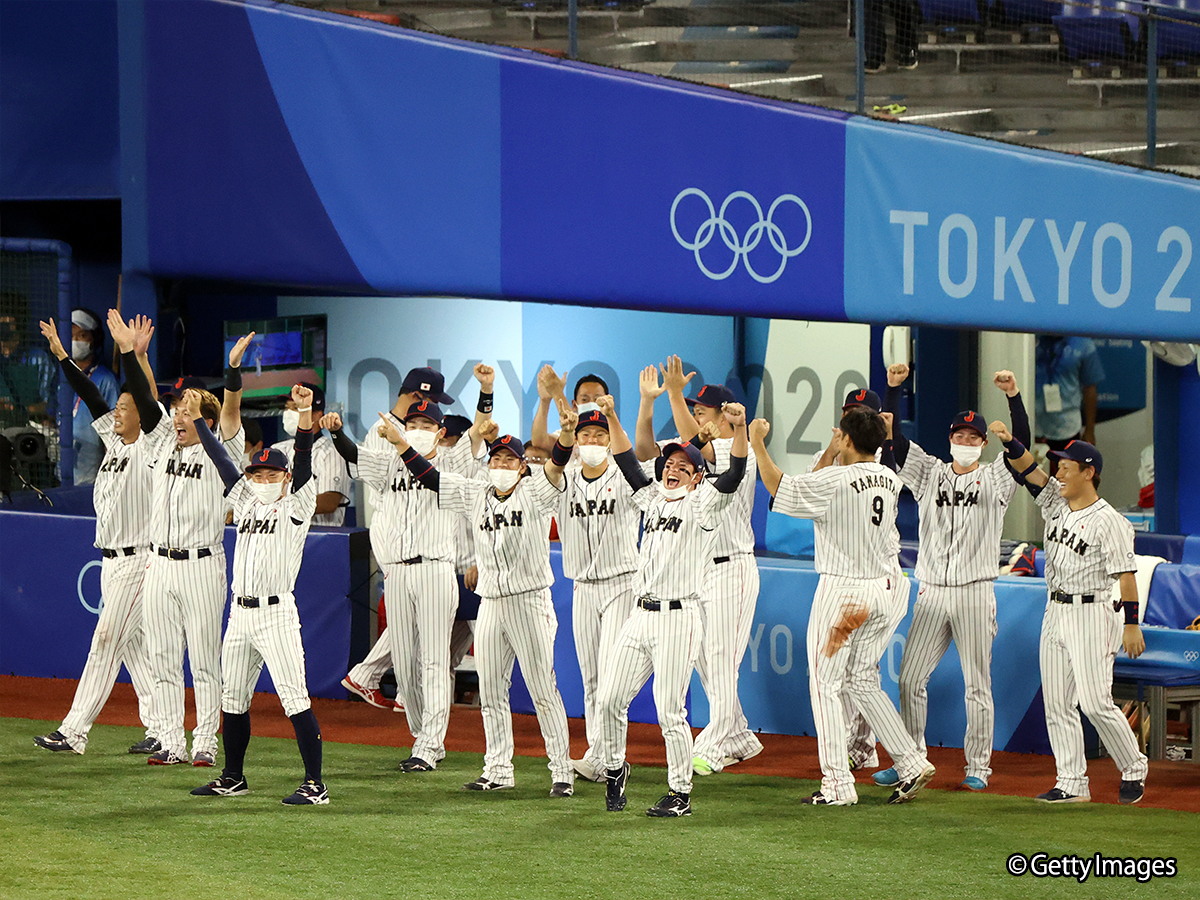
[304, 409]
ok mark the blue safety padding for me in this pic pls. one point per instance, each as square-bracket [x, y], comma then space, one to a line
[1191, 551]
[1171, 547]
[1168, 650]
[789, 535]
[1174, 598]
[1159, 676]
[758, 518]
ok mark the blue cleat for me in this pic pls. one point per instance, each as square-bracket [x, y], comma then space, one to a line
[886, 778]
[971, 783]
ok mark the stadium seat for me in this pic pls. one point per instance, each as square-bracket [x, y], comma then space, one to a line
[1110, 35]
[1179, 32]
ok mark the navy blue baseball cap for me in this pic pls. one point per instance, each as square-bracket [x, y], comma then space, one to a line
[456, 425]
[507, 442]
[1081, 452]
[713, 395]
[864, 397]
[592, 417]
[269, 458]
[968, 418]
[428, 382]
[179, 385]
[425, 409]
[690, 450]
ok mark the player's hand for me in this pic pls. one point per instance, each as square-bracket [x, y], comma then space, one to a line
[673, 378]
[1133, 641]
[551, 384]
[389, 430]
[735, 414]
[50, 333]
[710, 431]
[486, 376]
[123, 336]
[567, 420]
[331, 422]
[1000, 430]
[191, 404]
[489, 430]
[471, 578]
[1006, 381]
[301, 396]
[887, 420]
[606, 404]
[759, 429]
[144, 329]
[239, 350]
[648, 385]
[897, 374]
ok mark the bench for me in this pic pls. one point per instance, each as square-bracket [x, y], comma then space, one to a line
[1168, 672]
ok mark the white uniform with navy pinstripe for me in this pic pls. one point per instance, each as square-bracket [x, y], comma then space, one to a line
[675, 556]
[330, 472]
[853, 509]
[961, 520]
[516, 615]
[727, 601]
[1086, 550]
[185, 597]
[598, 528]
[122, 501]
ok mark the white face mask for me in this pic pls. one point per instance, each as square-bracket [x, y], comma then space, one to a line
[504, 480]
[81, 349]
[291, 421]
[593, 454]
[674, 493]
[421, 441]
[266, 492]
[588, 407]
[965, 455]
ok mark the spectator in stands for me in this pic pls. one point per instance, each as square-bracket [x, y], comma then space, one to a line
[1068, 370]
[87, 342]
[905, 14]
[28, 380]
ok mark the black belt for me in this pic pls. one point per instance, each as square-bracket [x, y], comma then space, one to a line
[656, 605]
[717, 560]
[1060, 597]
[172, 553]
[255, 602]
[410, 562]
[123, 551]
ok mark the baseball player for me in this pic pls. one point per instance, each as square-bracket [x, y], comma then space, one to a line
[510, 513]
[663, 635]
[264, 626]
[856, 608]
[122, 500]
[1088, 546]
[87, 344]
[551, 389]
[462, 635]
[416, 549]
[730, 590]
[962, 506]
[364, 678]
[185, 581]
[329, 469]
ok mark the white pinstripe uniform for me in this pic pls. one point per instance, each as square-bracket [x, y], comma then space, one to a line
[1086, 550]
[122, 500]
[414, 543]
[961, 517]
[266, 561]
[861, 748]
[516, 616]
[330, 472]
[676, 550]
[727, 601]
[185, 597]
[598, 528]
[853, 509]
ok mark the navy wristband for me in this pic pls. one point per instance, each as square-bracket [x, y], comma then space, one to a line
[560, 455]
[233, 378]
[1131, 612]
[1014, 449]
[484, 404]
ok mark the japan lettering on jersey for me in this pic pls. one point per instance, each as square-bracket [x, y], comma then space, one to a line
[122, 490]
[853, 509]
[512, 535]
[1087, 548]
[961, 517]
[270, 539]
[597, 525]
[677, 540]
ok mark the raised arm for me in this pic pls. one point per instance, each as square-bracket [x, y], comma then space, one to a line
[560, 455]
[486, 376]
[231, 403]
[675, 381]
[302, 461]
[1020, 460]
[144, 329]
[342, 443]
[727, 482]
[550, 387]
[770, 473]
[125, 338]
[226, 467]
[1006, 381]
[80, 383]
[649, 390]
[622, 449]
[421, 469]
[897, 374]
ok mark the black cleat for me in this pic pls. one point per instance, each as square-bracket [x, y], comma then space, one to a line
[415, 764]
[1055, 795]
[311, 793]
[905, 791]
[146, 746]
[819, 799]
[614, 795]
[1131, 791]
[672, 805]
[56, 741]
[225, 786]
[483, 784]
[562, 789]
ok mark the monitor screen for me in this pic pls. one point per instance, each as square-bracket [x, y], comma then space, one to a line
[283, 352]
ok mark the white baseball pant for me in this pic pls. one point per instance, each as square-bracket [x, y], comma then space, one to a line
[664, 643]
[374, 665]
[854, 668]
[421, 599]
[599, 610]
[862, 750]
[267, 634]
[727, 605]
[184, 600]
[520, 626]
[1078, 646]
[966, 614]
[118, 638]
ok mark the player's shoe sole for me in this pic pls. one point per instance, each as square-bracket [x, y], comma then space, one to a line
[971, 783]
[909, 789]
[204, 760]
[415, 764]
[56, 741]
[146, 745]
[224, 786]
[734, 760]
[701, 766]
[587, 771]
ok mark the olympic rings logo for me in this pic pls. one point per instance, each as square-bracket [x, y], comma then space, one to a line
[716, 224]
[1191, 655]
[95, 563]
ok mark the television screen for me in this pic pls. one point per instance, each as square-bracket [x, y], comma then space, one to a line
[283, 352]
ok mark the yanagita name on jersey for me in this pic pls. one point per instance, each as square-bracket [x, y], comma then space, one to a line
[879, 480]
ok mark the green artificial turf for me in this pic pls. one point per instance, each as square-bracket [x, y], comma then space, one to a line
[106, 825]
